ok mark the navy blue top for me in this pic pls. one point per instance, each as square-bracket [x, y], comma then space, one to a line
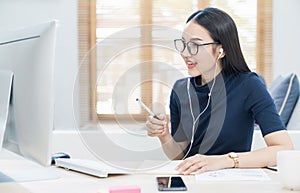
[237, 102]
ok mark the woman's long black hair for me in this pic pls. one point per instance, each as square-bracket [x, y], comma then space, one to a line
[222, 29]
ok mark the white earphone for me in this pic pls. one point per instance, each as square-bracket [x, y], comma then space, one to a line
[207, 104]
[221, 51]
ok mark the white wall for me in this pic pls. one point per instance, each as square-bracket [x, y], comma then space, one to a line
[286, 41]
[19, 13]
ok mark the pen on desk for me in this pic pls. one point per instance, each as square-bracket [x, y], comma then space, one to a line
[146, 108]
[271, 168]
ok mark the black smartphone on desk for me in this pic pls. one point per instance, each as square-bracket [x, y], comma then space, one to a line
[170, 183]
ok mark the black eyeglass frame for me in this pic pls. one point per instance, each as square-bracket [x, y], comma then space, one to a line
[189, 48]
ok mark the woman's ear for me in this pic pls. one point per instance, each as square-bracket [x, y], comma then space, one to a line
[221, 52]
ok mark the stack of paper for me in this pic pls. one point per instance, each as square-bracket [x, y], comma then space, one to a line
[235, 174]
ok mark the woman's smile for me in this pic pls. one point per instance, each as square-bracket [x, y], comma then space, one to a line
[190, 64]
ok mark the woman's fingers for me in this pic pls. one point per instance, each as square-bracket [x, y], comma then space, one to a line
[191, 164]
[156, 127]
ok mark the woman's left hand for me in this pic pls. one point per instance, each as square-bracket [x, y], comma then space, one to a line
[202, 163]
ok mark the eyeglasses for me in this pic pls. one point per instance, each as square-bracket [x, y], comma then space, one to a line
[191, 46]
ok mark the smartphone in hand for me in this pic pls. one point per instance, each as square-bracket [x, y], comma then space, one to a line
[170, 183]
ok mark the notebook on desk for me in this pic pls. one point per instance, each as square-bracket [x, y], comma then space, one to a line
[102, 170]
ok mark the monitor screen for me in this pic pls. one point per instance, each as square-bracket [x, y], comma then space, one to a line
[29, 54]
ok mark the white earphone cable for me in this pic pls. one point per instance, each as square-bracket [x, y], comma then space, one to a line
[191, 107]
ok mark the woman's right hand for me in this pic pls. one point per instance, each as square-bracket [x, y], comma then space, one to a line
[157, 127]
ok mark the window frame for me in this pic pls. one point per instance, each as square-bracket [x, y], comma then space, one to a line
[87, 25]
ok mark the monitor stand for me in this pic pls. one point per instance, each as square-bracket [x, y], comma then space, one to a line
[15, 168]
[6, 78]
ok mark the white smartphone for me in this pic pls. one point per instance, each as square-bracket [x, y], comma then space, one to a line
[147, 108]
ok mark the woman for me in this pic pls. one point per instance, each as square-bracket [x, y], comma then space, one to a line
[213, 111]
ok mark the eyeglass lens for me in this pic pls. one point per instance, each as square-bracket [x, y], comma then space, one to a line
[180, 46]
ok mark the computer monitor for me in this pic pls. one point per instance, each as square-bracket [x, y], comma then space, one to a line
[29, 54]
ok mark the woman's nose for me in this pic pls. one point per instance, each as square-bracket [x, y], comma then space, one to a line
[185, 53]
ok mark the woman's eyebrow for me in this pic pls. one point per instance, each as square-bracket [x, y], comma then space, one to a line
[193, 39]
[199, 39]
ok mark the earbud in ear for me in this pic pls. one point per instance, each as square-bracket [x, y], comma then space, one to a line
[221, 51]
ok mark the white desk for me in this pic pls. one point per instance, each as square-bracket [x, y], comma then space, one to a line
[74, 182]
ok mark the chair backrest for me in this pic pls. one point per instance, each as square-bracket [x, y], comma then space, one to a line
[294, 122]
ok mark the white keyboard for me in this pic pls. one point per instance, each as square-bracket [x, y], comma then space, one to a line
[94, 168]
[102, 170]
